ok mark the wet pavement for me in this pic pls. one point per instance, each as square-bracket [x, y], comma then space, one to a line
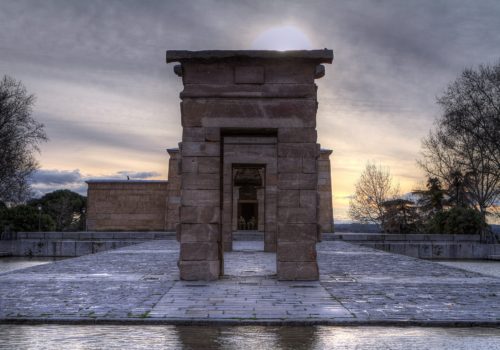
[358, 286]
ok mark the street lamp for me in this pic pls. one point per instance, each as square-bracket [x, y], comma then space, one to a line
[84, 217]
[39, 217]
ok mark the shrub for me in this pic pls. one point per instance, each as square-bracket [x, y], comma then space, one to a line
[457, 220]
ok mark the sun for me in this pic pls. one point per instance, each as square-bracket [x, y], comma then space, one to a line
[282, 38]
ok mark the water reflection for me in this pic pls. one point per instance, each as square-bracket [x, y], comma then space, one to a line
[244, 337]
[17, 263]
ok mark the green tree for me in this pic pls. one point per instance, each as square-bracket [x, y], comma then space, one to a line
[400, 216]
[25, 218]
[20, 137]
[457, 220]
[65, 207]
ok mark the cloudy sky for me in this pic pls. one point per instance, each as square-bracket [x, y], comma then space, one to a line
[110, 103]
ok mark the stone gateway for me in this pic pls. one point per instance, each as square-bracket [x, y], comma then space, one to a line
[248, 160]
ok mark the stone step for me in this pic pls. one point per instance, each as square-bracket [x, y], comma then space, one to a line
[248, 236]
[494, 257]
[5, 254]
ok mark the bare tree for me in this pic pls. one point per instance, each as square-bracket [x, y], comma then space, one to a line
[466, 139]
[372, 190]
[20, 136]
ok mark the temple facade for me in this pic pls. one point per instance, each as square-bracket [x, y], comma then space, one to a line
[248, 160]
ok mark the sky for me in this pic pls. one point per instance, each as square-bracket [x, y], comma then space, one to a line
[110, 103]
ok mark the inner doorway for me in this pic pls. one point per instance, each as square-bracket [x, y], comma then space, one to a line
[248, 199]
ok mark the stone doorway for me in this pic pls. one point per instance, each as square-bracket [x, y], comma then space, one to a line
[248, 196]
[249, 202]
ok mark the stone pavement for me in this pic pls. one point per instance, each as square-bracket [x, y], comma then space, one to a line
[141, 283]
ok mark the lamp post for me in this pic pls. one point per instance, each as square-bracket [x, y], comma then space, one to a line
[84, 218]
[39, 217]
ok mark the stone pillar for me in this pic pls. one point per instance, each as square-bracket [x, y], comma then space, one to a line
[174, 190]
[252, 96]
[200, 203]
[325, 215]
[297, 205]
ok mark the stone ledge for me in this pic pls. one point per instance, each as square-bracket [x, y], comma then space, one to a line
[320, 56]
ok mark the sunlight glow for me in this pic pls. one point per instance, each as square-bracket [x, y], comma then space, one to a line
[282, 38]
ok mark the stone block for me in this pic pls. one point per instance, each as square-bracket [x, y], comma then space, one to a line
[212, 134]
[290, 165]
[193, 134]
[199, 233]
[298, 150]
[297, 271]
[199, 251]
[98, 247]
[249, 75]
[296, 251]
[412, 249]
[207, 73]
[289, 198]
[297, 181]
[191, 181]
[297, 215]
[308, 199]
[83, 248]
[202, 198]
[209, 165]
[103, 235]
[440, 250]
[425, 251]
[309, 166]
[464, 250]
[68, 248]
[200, 149]
[270, 247]
[297, 135]
[397, 248]
[200, 215]
[207, 270]
[189, 165]
[297, 232]
[480, 251]
[250, 113]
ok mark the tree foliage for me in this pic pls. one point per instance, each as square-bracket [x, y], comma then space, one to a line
[65, 207]
[20, 136]
[373, 188]
[25, 218]
[457, 220]
[463, 151]
[401, 216]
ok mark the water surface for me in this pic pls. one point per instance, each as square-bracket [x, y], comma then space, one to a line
[244, 337]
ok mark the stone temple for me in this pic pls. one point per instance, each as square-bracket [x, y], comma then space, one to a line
[248, 160]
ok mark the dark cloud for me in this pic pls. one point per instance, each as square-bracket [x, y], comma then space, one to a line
[139, 175]
[56, 177]
[47, 180]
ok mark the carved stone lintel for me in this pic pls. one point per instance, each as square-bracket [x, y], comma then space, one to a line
[178, 70]
[319, 72]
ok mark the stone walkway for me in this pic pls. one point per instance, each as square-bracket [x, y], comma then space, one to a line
[357, 286]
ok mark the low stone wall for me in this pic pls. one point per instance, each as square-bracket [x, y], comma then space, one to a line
[424, 246]
[72, 244]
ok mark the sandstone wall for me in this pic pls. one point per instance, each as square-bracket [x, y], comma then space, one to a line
[325, 211]
[126, 205]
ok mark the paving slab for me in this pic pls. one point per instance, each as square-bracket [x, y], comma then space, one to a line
[358, 285]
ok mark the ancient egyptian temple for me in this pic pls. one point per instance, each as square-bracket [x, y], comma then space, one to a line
[249, 160]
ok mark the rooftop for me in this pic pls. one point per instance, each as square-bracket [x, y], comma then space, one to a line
[319, 56]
